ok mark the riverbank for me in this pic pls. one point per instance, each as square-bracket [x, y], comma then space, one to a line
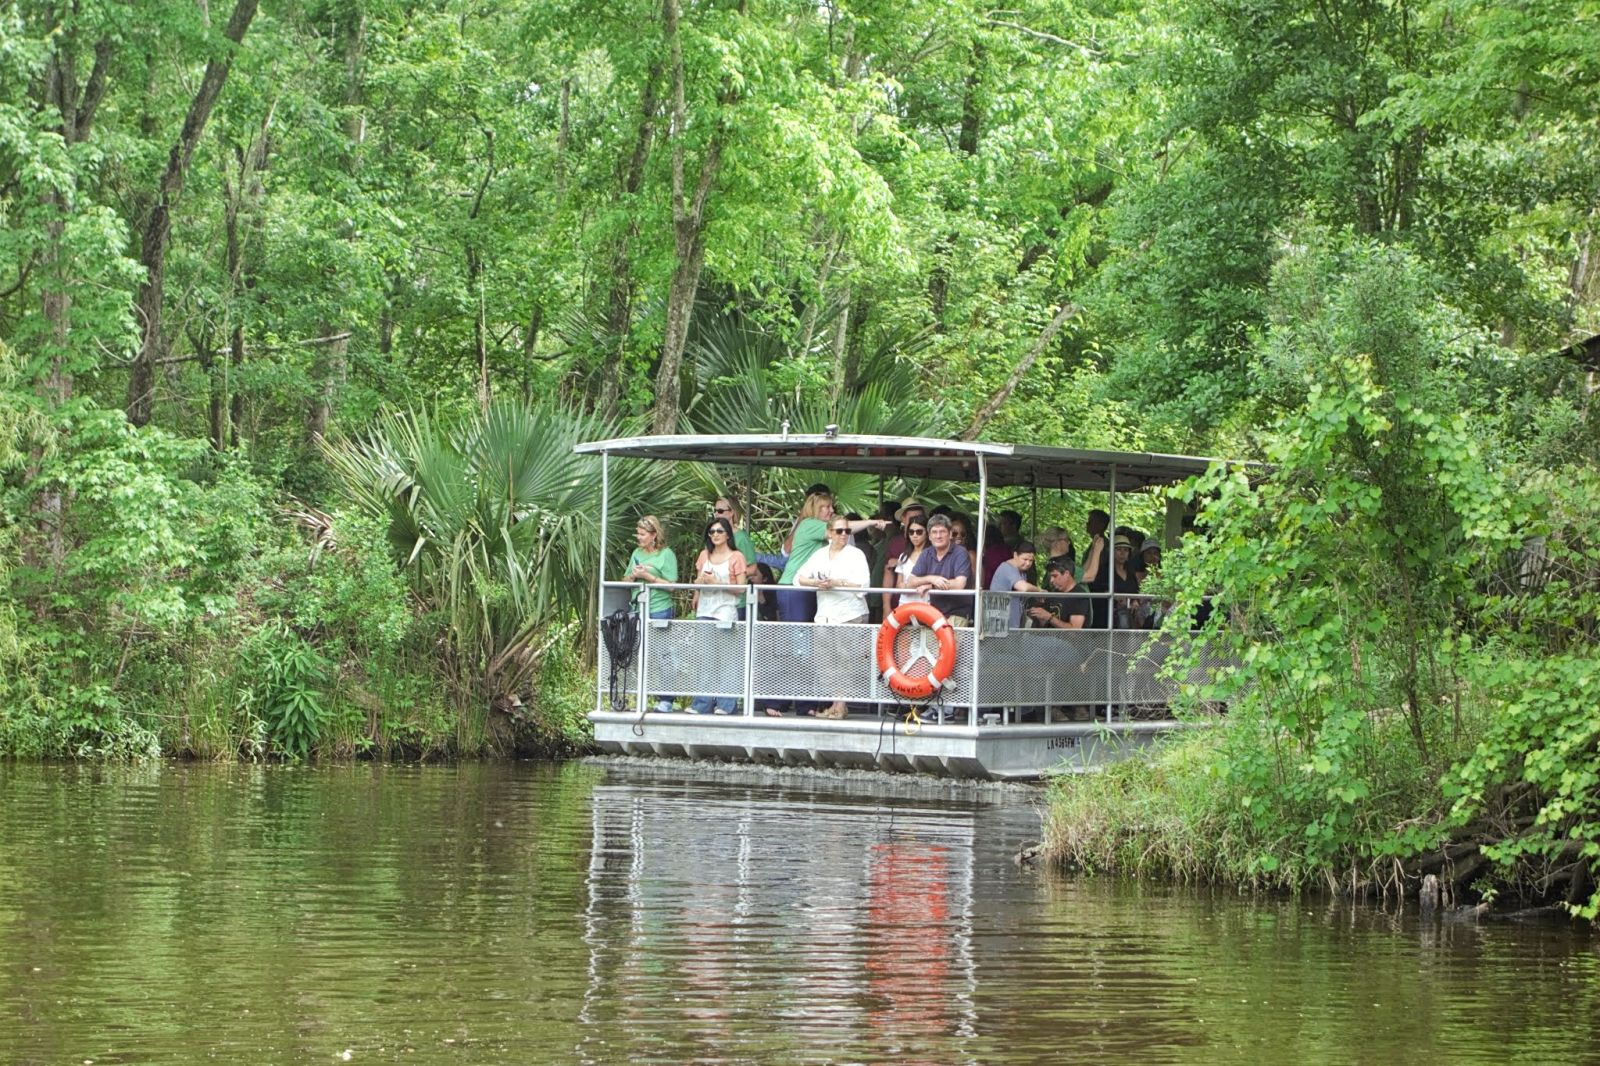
[1243, 805]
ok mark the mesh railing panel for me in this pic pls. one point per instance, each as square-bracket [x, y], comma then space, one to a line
[796, 661]
[807, 662]
[691, 657]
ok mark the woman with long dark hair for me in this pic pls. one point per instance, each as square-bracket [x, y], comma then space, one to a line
[718, 571]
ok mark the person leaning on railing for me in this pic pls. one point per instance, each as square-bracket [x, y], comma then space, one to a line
[899, 571]
[945, 567]
[1065, 612]
[718, 568]
[1012, 576]
[838, 573]
[653, 563]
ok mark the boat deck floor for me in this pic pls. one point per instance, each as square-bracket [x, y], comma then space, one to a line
[995, 752]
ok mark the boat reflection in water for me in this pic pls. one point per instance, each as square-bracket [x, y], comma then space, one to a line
[736, 932]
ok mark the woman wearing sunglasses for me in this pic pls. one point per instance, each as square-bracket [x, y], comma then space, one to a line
[719, 573]
[900, 569]
[838, 572]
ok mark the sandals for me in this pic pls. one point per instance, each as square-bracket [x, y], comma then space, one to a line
[773, 712]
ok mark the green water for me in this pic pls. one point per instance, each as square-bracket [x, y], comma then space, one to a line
[538, 913]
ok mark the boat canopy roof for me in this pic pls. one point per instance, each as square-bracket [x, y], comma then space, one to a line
[916, 457]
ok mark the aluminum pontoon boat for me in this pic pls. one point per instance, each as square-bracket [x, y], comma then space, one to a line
[1002, 676]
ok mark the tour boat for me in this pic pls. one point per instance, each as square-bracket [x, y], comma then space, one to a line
[997, 715]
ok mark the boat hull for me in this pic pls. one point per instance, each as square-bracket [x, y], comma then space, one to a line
[987, 752]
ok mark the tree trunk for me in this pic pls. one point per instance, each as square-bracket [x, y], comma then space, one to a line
[967, 141]
[61, 95]
[988, 410]
[619, 301]
[330, 368]
[844, 373]
[153, 255]
[688, 231]
[237, 199]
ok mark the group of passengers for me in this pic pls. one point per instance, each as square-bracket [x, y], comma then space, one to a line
[925, 554]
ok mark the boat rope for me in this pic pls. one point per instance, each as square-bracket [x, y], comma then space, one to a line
[620, 631]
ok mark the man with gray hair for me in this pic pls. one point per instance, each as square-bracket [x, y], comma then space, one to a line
[944, 567]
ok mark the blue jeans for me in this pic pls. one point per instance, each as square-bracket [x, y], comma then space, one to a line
[796, 605]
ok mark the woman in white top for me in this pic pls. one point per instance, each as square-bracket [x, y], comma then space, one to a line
[838, 572]
[719, 571]
[900, 572]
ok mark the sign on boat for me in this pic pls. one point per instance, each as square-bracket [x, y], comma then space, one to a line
[998, 713]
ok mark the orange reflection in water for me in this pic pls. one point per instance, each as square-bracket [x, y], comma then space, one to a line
[909, 950]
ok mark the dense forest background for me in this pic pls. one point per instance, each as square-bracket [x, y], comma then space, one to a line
[303, 303]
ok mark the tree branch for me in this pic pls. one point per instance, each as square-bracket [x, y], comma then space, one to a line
[1041, 35]
[987, 411]
[95, 90]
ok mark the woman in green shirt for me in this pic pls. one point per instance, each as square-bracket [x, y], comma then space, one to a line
[810, 533]
[653, 563]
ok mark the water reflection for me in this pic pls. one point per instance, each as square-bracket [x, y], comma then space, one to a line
[527, 913]
[827, 923]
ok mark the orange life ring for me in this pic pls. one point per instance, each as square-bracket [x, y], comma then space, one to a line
[901, 683]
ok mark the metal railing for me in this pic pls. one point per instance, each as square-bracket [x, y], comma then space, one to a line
[752, 664]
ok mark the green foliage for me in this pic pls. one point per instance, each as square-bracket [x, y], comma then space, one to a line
[493, 520]
[289, 694]
[1343, 238]
[1543, 737]
[1352, 578]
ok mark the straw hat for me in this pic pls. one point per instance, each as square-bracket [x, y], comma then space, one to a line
[907, 504]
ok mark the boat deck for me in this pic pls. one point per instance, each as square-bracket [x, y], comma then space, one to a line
[994, 752]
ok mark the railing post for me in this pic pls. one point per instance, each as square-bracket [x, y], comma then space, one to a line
[751, 609]
[600, 593]
[978, 589]
[1108, 562]
[643, 603]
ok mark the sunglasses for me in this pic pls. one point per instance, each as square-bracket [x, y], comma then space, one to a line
[717, 530]
[839, 529]
[722, 510]
[917, 530]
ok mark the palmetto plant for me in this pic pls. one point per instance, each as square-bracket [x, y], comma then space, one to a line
[496, 521]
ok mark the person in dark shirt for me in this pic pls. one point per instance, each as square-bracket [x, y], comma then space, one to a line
[1116, 575]
[1070, 612]
[1148, 561]
[1010, 527]
[944, 567]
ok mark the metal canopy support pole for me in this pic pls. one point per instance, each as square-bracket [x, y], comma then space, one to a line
[977, 592]
[752, 601]
[600, 592]
[1109, 559]
[643, 603]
